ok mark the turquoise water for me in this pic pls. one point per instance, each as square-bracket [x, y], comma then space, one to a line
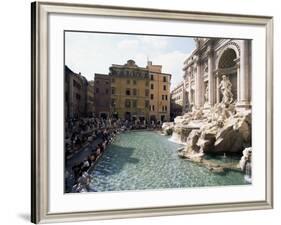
[147, 160]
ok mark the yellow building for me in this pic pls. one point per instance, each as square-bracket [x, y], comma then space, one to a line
[159, 93]
[129, 92]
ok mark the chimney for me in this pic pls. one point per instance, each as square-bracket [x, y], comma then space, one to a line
[149, 63]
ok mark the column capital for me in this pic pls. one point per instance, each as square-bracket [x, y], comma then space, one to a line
[210, 51]
[197, 60]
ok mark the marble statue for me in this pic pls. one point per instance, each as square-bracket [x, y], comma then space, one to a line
[225, 87]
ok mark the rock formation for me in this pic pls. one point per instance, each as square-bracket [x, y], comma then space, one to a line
[220, 130]
[167, 128]
[245, 164]
[246, 158]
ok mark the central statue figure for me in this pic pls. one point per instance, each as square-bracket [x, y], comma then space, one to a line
[225, 87]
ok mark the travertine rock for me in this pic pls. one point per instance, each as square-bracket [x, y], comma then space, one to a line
[207, 139]
[247, 157]
[167, 128]
[228, 140]
[219, 130]
[243, 125]
[191, 147]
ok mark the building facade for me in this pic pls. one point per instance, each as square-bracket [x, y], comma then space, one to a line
[75, 94]
[159, 93]
[129, 91]
[212, 61]
[102, 95]
[177, 100]
[90, 98]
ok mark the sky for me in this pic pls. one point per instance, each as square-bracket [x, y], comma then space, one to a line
[91, 53]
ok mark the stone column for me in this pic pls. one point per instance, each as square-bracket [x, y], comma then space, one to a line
[198, 86]
[189, 85]
[244, 76]
[217, 88]
[238, 79]
[211, 83]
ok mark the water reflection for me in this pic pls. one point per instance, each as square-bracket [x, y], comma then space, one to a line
[147, 160]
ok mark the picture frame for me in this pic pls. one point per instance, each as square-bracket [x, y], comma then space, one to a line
[41, 104]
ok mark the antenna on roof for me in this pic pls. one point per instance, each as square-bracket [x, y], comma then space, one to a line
[149, 63]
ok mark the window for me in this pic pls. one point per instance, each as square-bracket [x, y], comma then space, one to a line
[164, 79]
[128, 81]
[166, 97]
[163, 97]
[146, 104]
[113, 102]
[113, 90]
[78, 96]
[127, 103]
[151, 86]
[135, 103]
[146, 92]
[164, 87]
[151, 77]
[134, 82]
[106, 82]
[97, 90]
[134, 92]
[146, 83]
[151, 96]
[112, 80]
[165, 108]
[128, 92]
[76, 84]
[106, 91]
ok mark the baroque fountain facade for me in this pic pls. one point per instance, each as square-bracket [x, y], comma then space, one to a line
[217, 111]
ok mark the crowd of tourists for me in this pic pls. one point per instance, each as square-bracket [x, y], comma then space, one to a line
[79, 132]
[94, 133]
[80, 171]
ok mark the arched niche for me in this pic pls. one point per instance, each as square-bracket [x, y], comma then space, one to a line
[227, 65]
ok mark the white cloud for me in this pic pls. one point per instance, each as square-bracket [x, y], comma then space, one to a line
[141, 59]
[154, 42]
[172, 62]
[94, 53]
[128, 44]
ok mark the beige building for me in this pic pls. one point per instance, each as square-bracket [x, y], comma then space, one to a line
[90, 98]
[102, 100]
[177, 100]
[159, 93]
[75, 92]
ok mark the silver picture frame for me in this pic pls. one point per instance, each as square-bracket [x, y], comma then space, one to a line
[40, 102]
